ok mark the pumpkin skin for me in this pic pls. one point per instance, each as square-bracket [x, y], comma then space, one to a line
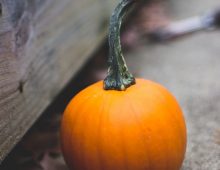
[142, 128]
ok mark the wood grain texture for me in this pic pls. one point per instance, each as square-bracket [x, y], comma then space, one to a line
[43, 43]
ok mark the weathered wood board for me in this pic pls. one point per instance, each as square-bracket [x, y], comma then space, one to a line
[43, 43]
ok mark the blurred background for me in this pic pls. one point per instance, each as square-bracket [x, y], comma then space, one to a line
[188, 65]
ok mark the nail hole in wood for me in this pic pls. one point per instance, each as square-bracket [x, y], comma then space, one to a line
[21, 87]
[0, 9]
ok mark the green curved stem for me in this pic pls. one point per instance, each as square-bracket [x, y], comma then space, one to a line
[118, 77]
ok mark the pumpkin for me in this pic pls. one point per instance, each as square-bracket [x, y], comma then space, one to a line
[123, 123]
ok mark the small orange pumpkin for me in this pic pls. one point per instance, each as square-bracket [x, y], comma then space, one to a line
[128, 125]
[141, 128]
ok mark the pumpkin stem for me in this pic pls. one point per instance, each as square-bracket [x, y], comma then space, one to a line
[118, 77]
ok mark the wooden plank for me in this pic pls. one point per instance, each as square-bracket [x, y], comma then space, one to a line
[43, 43]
